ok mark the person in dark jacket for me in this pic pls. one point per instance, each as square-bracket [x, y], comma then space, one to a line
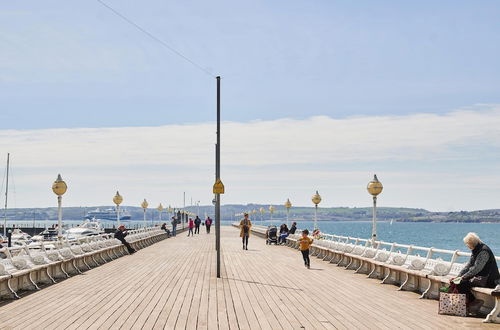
[293, 228]
[480, 271]
[197, 223]
[120, 235]
[208, 223]
[174, 223]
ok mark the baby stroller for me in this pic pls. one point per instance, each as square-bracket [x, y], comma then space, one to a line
[272, 235]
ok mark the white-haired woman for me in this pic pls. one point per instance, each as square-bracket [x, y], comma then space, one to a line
[481, 270]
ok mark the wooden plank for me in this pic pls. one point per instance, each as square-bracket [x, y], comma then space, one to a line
[187, 309]
[202, 320]
[142, 318]
[123, 310]
[170, 292]
[228, 297]
[62, 297]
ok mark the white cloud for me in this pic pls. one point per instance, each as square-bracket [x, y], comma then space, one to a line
[262, 160]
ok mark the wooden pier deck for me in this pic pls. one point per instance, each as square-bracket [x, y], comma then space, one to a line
[172, 285]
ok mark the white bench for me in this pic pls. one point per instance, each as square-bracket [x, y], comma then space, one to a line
[25, 267]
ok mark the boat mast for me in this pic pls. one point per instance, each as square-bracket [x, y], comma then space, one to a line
[6, 196]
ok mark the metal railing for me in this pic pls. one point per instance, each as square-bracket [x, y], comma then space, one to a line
[434, 260]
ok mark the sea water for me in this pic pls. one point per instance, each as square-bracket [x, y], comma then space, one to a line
[441, 235]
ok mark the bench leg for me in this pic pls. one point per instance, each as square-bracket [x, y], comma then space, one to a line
[74, 265]
[33, 282]
[49, 276]
[351, 259]
[384, 281]
[372, 271]
[102, 258]
[327, 256]
[109, 255]
[63, 270]
[86, 264]
[114, 253]
[14, 294]
[405, 282]
[493, 316]
[428, 293]
[95, 261]
[361, 265]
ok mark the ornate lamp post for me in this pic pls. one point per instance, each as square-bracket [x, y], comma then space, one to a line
[144, 206]
[169, 210]
[288, 205]
[160, 210]
[316, 199]
[374, 188]
[59, 187]
[262, 215]
[118, 199]
[271, 210]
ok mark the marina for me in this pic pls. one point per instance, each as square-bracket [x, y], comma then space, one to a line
[172, 284]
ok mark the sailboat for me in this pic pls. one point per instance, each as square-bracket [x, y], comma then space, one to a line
[18, 237]
[6, 198]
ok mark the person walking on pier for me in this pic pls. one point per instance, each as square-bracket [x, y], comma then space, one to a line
[208, 223]
[245, 226]
[197, 223]
[305, 242]
[120, 235]
[480, 271]
[190, 227]
[174, 225]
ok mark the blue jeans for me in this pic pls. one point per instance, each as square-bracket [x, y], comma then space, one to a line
[174, 231]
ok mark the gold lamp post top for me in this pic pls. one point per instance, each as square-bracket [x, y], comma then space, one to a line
[144, 204]
[262, 210]
[59, 187]
[374, 187]
[118, 199]
[160, 207]
[316, 199]
[288, 204]
[271, 209]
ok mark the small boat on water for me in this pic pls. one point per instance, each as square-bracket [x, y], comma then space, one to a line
[18, 238]
[87, 228]
[49, 234]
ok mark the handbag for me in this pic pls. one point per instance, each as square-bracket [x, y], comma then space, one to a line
[452, 303]
[480, 281]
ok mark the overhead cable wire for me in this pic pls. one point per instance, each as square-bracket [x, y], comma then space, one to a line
[152, 36]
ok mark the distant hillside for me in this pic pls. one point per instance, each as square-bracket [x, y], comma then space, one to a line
[228, 212]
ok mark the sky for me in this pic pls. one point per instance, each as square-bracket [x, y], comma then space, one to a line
[316, 95]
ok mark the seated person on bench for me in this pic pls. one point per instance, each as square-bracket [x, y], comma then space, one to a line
[480, 271]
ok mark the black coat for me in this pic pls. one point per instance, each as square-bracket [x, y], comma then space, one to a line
[120, 235]
[490, 269]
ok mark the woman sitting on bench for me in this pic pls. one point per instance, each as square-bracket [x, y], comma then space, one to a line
[480, 271]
